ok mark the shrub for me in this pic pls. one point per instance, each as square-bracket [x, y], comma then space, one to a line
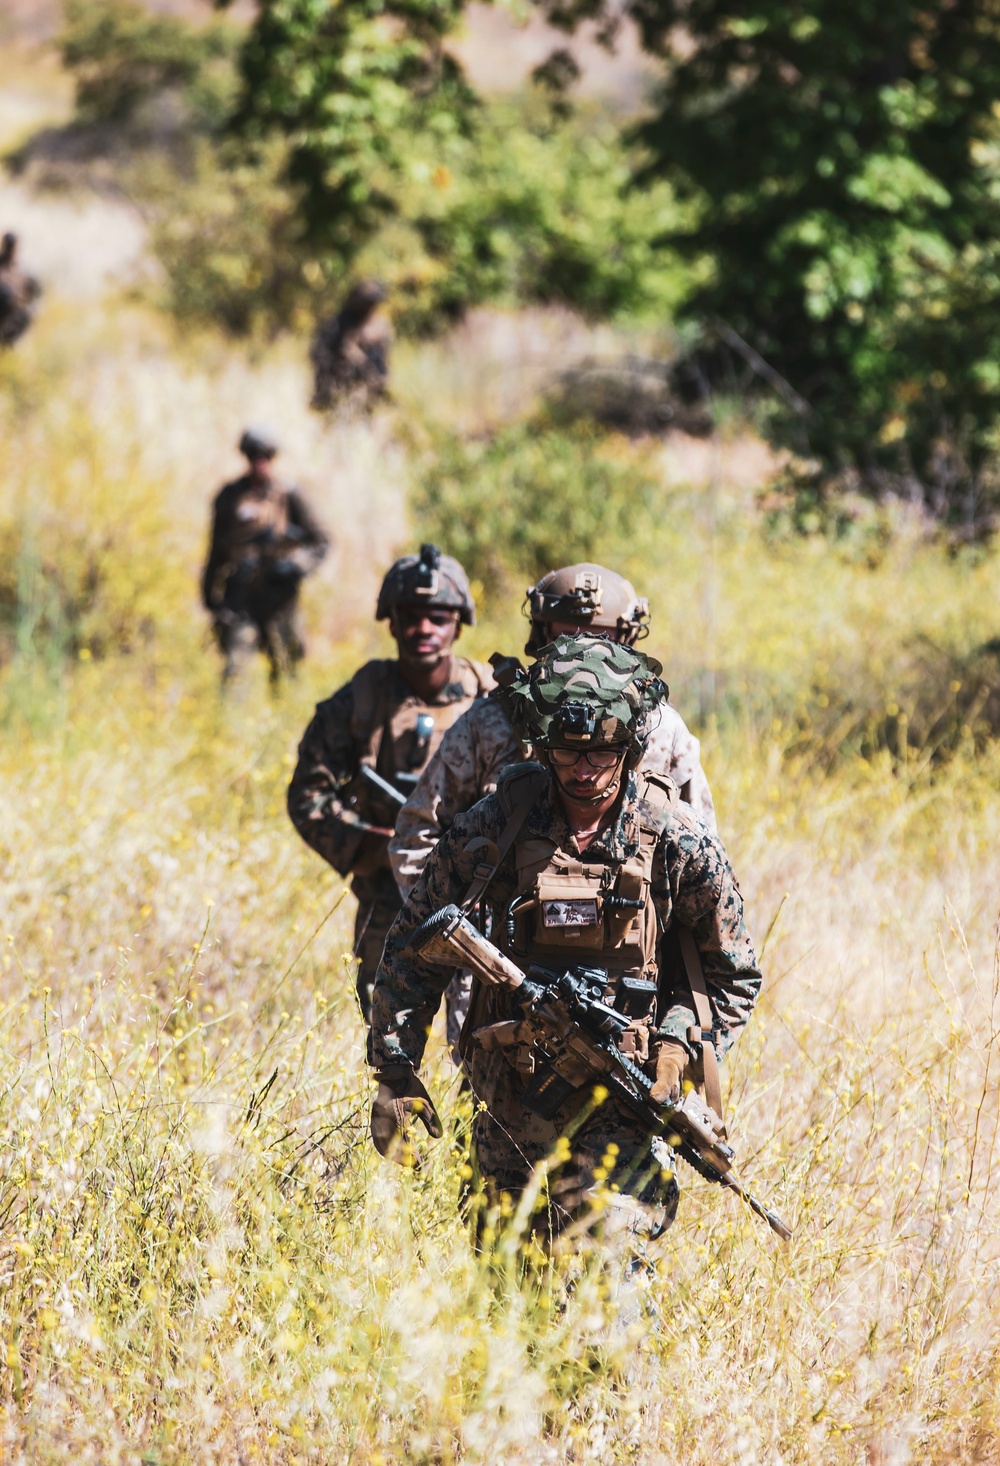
[531, 498]
[122, 57]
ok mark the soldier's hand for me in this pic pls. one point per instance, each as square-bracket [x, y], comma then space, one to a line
[287, 569]
[671, 1061]
[399, 1099]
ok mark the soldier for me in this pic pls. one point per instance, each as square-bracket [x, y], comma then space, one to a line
[388, 721]
[265, 540]
[471, 756]
[350, 351]
[18, 293]
[591, 861]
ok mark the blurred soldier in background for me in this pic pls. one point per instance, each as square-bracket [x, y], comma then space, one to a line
[350, 351]
[576, 598]
[18, 293]
[367, 744]
[264, 542]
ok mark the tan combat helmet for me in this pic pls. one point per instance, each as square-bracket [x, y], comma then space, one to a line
[589, 596]
[427, 579]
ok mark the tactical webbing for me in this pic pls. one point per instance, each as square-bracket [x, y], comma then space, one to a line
[702, 1036]
[533, 782]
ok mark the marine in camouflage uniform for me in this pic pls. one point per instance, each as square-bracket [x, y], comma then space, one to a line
[264, 541]
[389, 719]
[18, 293]
[350, 352]
[482, 743]
[585, 699]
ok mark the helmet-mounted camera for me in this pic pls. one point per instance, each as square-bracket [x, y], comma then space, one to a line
[576, 721]
[426, 578]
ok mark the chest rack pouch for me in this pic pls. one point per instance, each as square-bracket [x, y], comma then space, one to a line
[573, 906]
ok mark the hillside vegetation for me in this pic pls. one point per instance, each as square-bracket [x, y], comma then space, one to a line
[202, 1259]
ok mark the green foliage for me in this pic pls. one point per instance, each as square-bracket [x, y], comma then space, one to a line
[347, 86]
[843, 161]
[530, 498]
[122, 57]
[398, 170]
[528, 205]
[231, 253]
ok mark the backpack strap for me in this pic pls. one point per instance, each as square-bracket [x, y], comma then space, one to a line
[371, 694]
[701, 1037]
[657, 789]
[517, 793]
[485, 681]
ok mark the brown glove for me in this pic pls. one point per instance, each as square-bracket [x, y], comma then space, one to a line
[400, 1097]
[671, 1061]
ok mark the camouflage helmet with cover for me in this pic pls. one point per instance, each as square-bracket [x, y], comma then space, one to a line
[428, 579]
[585, 690]
[590, 596]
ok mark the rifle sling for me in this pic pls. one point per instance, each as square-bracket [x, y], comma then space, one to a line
[521, 807]
[702, 1036]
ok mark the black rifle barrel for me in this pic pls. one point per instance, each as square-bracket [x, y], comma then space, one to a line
[382, 785]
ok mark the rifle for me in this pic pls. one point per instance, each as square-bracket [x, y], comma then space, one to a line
[573, 1033]
[382, 785]
[423, 732]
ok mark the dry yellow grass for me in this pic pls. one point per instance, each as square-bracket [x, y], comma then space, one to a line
[201, 1257]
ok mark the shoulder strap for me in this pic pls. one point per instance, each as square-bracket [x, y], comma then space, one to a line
[485, 680]
[370, 687]
[701, 1037]
[658, 789]
[528, 783]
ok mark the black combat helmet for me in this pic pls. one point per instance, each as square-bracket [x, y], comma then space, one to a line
[427, 579]
[258, 441]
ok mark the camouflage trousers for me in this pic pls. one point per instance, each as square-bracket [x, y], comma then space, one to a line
[378, 905]
[595, 1169]
[259, 613]
[278, 638]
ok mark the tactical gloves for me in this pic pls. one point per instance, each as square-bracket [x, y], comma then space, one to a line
[400, 1097]
[671, 1061]
[287, 571]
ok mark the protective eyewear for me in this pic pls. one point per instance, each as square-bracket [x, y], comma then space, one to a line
[597, 758]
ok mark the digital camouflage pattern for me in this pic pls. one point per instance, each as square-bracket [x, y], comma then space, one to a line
[482, 743]
[692, 883]
[372, 718]
[618, 689]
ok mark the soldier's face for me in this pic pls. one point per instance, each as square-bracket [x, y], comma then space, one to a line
[261, 467]
[424, 634]
[584, 783]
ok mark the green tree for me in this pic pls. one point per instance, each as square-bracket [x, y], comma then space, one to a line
[843, 161]
[398, 168]
[347, 85]
[121, 58]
